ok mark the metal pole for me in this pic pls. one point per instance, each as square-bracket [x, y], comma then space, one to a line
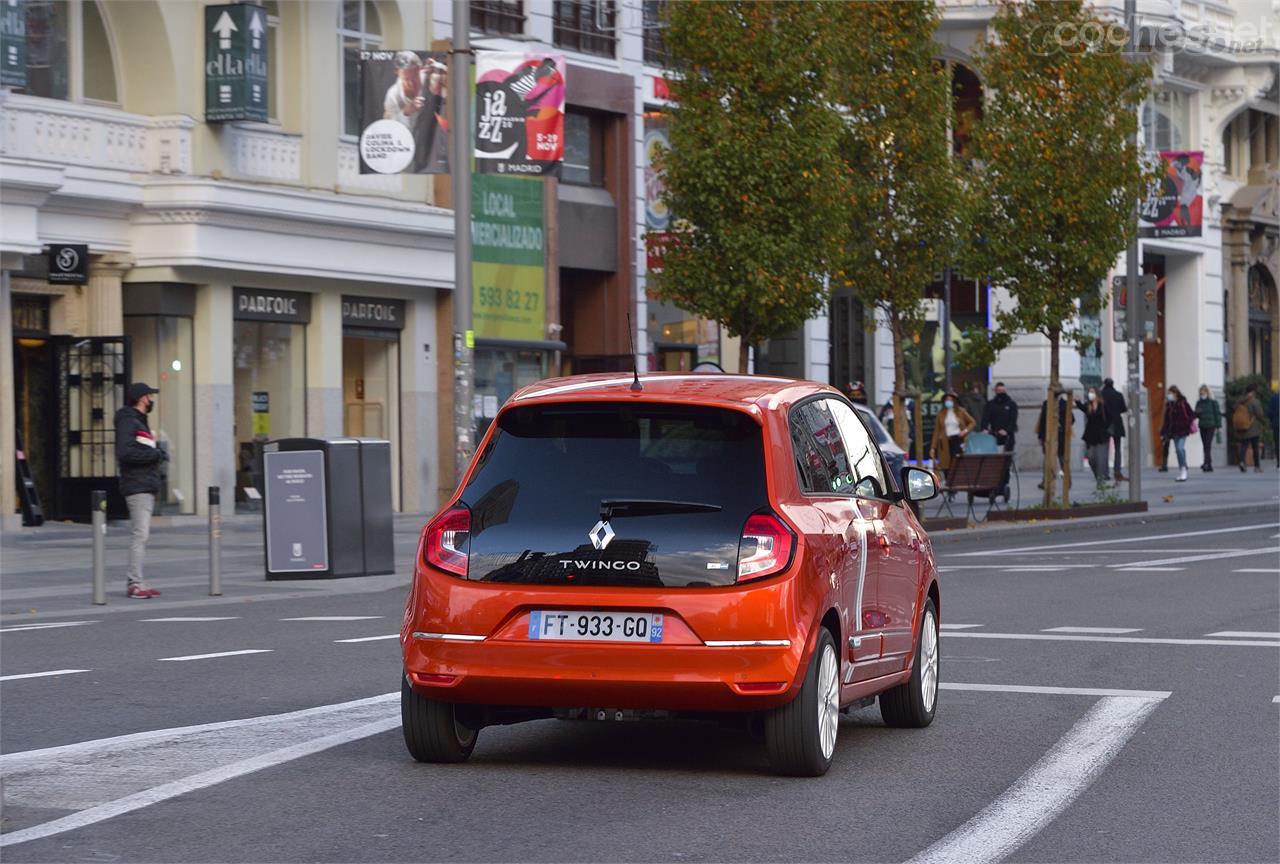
[946, 326]
[1133, 306]
[215, 541]
[460, 165]
[98, 506]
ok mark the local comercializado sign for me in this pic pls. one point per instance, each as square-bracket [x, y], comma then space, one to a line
[508, 253]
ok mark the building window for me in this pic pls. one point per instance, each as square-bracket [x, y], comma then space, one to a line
[69, 52]
[359, 29]
[1166, 121]
[497, 16]
[583, 149]
[655, 46]
[587, 26]
[275, 66]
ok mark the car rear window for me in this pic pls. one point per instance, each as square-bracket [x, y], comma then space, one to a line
[542, 480]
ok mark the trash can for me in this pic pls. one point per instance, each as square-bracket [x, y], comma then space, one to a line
[327, 508]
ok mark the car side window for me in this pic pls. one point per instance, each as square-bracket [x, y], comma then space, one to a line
[869, 480]
[821, 462]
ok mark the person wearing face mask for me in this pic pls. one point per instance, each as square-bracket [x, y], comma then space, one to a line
[140, 461]
[950, 429]
[1113, 399]
[1209, 416]
[1179, 422]
[1097, 434]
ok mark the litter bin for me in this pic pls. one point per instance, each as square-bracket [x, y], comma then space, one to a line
[327, 508]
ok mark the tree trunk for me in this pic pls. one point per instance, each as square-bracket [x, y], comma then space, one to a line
[901, 423]
[744, 354]
[1051, 422]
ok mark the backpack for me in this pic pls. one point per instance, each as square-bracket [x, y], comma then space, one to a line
[1241, 419]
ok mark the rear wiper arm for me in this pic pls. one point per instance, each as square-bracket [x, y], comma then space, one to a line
[611, 507]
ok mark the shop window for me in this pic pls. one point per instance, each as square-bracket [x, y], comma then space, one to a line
[162, 354]
[497, 16]
[270, 395]
[69, 54]
[371, 393]
[583, 149]
[588, 26]
[359, 29]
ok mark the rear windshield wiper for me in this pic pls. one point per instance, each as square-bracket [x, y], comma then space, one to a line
[611, 507]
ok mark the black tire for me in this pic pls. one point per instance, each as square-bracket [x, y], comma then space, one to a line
[909, 706]
[432, 731]
[792, 732]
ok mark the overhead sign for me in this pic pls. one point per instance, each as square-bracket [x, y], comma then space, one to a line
[508, 253]
[235, 69]
[68, 264]
[519, 113]
[296, 522]
[1174, 206]
[259, 304]
[372, 312]
[402, 112]
[13, 44]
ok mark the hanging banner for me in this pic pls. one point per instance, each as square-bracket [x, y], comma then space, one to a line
[403, 129]
[519, 113]
[508, 254]
[657, 218]
[1174, 206]
[235, 68]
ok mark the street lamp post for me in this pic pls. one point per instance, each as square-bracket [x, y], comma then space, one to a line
[460, 166]
[1133, 306]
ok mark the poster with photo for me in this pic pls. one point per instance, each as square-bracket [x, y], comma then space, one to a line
[519, 113]
[1174, 206]
[403, 126]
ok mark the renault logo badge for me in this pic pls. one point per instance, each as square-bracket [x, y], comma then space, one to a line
[601, 534]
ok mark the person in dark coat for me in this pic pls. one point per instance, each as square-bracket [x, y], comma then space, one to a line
[1179, 418]
[1113, 401]
[1209, 416]
[1273, 414]
[1097, 434]
[139, 459]
[1000, 418]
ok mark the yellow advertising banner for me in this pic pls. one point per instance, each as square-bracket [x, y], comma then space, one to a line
[508, 270]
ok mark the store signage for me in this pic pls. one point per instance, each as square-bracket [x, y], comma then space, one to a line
[258, 304]
[297, 537]
[68, 264]
[1174, 206]
[402, 112]
[372, 312]
[508, 254]
[13, 43]
[519, 113]
[235, 68]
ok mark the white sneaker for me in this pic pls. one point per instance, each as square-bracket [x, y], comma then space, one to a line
[1182, 475]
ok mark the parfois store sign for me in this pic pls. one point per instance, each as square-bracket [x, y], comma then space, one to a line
[372, 312]
[235, 68]
[257, 304]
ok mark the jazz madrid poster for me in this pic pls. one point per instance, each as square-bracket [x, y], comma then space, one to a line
[1174, 206]
[519, 113]
[403, 129]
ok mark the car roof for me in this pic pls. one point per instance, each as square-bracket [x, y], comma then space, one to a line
[747, 391]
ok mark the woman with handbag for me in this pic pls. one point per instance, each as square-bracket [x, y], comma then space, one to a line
[1209, 416]
[1179, 422]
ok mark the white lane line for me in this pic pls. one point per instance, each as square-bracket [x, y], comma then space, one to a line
[960, 626]
[1058, 691]
[1151, 569]
[1245, 634]
[370, 638]
[1133, 640]
[1143, 539]
[1188, 559]
[1034, 569]
[41, 674]
[334, 618]
[192, 619]
[217, 654]
[1103, 630]
[1276, 701]
[1048, 787]
[1257, 570]
[46, 626]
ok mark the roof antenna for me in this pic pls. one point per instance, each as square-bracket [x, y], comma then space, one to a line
[636, 386]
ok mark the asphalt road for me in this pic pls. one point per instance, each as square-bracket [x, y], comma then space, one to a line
[1112, 696]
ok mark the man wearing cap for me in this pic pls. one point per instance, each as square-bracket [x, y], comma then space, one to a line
[140, 460]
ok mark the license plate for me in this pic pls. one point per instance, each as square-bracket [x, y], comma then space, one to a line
[595, 626]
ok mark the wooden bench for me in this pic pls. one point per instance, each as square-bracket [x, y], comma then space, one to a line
[977, 475]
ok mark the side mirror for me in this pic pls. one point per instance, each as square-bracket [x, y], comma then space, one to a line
[918, 484]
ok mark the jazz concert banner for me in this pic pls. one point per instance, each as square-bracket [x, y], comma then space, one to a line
[519, 113]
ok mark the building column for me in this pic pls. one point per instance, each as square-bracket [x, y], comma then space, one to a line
[214, 395]
[104, 295]
[9, 518]
[324, 366]
[1238, 310]
[421, 416]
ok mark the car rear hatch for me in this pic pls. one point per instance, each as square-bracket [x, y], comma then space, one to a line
[615, 494]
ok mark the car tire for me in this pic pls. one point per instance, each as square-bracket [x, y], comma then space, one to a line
[432, 729]
[912, 704]
[801, 735]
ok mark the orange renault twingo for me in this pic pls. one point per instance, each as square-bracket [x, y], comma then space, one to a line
[673, 544]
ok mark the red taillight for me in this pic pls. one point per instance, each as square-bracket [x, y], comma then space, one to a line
[449, 540]
[765, 547]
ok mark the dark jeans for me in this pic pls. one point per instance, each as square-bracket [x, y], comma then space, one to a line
[955, 444]
[1206, 438]
[1117, 446]
[1255, 444]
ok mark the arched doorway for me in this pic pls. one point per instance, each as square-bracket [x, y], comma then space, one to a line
[1262, 323]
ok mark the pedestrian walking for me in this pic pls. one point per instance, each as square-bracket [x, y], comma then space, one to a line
[1273, 414]
[1209, 416]
[140, 460]
[1041, 430]
[951, 427]
[1000, 418]
[1113, 399]
[1246, 420]
[1179, 422]
[1097, 434]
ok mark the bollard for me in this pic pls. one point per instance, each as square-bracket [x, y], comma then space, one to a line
[215, 542]
[98, 505]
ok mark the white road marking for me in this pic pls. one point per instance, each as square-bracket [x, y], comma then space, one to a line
[1007, 567]
[1276, 701]
[1245, 634]
[370, 638]
[105, 778]
[1144, 539]
[1048, 787]
[45, 626]
[185, 620]
[334, 618]
[1151, 569]
[1134, 640]
[1058, 691]
[1207, 556]
[1035, 569]
[1257, 570]
[41, 674]
[1103, 630]
[217, 654]
[960, 626]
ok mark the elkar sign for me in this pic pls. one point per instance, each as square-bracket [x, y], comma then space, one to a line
[235, 68]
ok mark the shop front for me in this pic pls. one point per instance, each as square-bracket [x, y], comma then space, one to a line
[371, 329]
